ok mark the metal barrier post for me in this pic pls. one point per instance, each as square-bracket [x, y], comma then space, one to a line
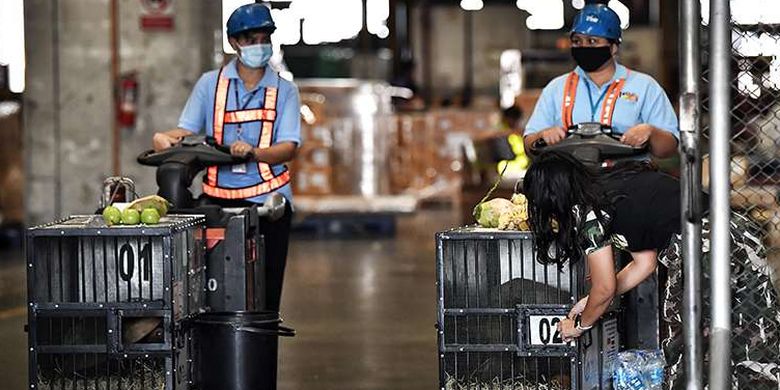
[720, 56]
[690, 182]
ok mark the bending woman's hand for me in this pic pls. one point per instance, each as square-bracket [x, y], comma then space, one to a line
[568, 330]
[578, 308]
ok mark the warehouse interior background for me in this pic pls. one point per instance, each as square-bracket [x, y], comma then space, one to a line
[84, 85]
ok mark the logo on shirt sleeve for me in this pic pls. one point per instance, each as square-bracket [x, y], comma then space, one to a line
[629, 96]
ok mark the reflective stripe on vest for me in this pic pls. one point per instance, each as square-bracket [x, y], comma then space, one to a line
[249, 116]
[248, 192]
[569, 93]
[607, 108]
[266, 115]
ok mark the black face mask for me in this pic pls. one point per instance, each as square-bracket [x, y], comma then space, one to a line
[591, 58]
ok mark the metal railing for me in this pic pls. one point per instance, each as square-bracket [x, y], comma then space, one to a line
[731, 89]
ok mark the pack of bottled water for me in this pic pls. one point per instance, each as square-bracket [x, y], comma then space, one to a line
[639, 370]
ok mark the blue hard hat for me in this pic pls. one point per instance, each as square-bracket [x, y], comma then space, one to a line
[597, 20]
[250, 17]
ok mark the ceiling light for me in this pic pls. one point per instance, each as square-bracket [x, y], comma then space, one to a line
[471, 5]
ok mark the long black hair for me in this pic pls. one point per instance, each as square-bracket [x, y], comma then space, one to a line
[562, 191]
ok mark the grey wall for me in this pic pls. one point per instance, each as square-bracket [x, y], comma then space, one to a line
[496, 28]
[68, 101]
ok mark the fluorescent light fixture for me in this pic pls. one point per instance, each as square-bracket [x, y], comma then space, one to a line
[288, 27]
[329, 21]
[471, 5]
[317, 21]
[377, 12]
[545, 15]
[12, 46]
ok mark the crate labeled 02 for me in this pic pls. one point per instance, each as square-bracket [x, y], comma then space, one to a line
[498, 310]
[107, 305]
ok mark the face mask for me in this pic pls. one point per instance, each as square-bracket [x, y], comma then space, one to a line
[591, 58]
[256, 56]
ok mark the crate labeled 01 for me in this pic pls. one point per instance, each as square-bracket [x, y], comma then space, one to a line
[107, 305]
[498, 311]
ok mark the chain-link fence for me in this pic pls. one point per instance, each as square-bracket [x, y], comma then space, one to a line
[755, 183]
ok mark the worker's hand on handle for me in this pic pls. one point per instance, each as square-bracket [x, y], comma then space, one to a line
[578, 308]
[553, 135]
[638, 135]
[568, 330]
[162, 141]
[241, 149]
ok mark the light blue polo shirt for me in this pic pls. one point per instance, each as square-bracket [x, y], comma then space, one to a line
[198, 117]
[641, 100]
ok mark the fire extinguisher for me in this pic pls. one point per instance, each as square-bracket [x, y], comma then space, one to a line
[127, 102]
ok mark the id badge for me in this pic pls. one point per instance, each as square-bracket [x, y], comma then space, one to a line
[239, 168]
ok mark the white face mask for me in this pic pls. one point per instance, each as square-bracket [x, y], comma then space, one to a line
[256, 56]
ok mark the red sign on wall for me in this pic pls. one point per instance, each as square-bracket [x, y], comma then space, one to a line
[157, 15]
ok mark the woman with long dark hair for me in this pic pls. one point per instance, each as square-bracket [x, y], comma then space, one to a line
[576, 213]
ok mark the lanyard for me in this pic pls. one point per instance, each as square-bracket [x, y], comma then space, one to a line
[240, 107]
[594, 107]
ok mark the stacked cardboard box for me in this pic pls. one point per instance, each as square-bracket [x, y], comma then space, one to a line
[313, 168]
[410, 153]
[407, 153]
[426, 150]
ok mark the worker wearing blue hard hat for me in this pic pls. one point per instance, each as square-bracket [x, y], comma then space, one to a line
[246, 105]
[602, 90]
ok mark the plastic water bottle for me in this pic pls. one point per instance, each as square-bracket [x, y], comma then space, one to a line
[639, 370]
[628, 374]
[654, 369]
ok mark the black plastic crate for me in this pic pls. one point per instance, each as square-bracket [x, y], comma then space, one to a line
[85, 350]
[106, 372]
[497, 314]
[107, 306]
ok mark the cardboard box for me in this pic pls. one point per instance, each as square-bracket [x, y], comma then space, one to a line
[315, 157]
[312, 181]
[319, 135]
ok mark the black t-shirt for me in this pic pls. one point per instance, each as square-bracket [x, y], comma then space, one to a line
[645, 216]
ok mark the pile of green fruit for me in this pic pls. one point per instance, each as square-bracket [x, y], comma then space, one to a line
[147, 210]
[503, 214]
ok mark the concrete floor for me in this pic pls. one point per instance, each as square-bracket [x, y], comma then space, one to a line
[364, 310]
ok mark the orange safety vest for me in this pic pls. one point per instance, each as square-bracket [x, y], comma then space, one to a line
[607, 108]
[267, 116]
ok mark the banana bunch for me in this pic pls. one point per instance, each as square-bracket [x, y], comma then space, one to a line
[156, 202]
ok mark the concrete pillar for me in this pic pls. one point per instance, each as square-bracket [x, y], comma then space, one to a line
[69, 97]
[168, 65]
